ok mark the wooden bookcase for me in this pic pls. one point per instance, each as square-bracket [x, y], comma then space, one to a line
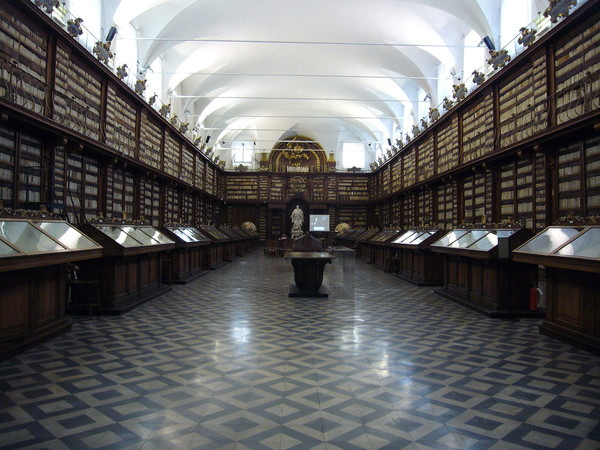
[426, 159]
[7, 165]
[408, 169]
[150, 199]
[77, 94]
[150, 141]
[241, 187]
[523, 107]
[121, 121]
[23, 53]
[478, 130]
[172, 155]
[445, 196]
[447, 145]
[576, 69]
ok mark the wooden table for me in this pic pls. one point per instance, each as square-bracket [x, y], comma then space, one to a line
[308, 272]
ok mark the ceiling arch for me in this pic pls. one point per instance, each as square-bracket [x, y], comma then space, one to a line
[335, 71]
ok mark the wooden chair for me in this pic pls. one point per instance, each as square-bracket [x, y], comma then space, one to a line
[89, 289]
[271, 247]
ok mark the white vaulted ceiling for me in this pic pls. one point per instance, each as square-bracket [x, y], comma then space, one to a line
[334, 71]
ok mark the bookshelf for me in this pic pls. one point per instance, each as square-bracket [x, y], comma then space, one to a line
[171, 206]
[25, 44]
[477, 198]
[447, 145]
[90, 187]
[318, 188]
[57, 203]
[524, 192]
[276, 189]
[385, 180]
[352, 189]
[409, 217]
[426, 162]
[187, 164]
[120, 122]
[241, 187]
[540, 182]
[186, 208]
[445, 195]
[150, 140]
[569, 180]
[523, 102]
[592, 176]
[506, 175]
[74, 184]
[150, 200]
[424, 207]
[396, 174]
[209, 184]
[7, 165]
[408, 162]
[77, 94]
[478, 132]
[263, 188]
[30, 171]
[172, 155]
[576, 69]
[332, 190]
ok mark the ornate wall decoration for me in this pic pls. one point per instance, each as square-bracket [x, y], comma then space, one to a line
[297, 185]
[298, 154]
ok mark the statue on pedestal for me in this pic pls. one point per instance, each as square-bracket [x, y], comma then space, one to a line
[297, 221]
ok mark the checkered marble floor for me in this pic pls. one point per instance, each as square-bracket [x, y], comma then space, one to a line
[229, 361]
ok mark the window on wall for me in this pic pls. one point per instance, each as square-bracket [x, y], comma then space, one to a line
[353, 155]
[474, 54]
[241, 152]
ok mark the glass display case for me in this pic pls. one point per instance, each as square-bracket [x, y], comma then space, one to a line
[224, 249]
[571, 247]
[348, 238]
[189, 257]
[374, 249]
[187, 235]
[131, 269]
[571, 257]
[479, 242]
[26, 243]
[412, 259]
[131, 236]
[214, 233]
[34, 253]
[479, 270]
[367, 235]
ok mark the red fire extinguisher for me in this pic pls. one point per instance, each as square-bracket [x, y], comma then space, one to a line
[534, 297]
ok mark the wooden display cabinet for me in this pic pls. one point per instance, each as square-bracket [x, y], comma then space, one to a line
[479, 271]
[237, 241]
[571, 255]
[187, 259]
[358, 239]
[376, 250]
[222, 249]
[131, 267]
[413, 259]
[348, 238]
[33, 278]
[250, 240]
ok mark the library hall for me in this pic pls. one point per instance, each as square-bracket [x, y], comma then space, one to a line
[315, 224]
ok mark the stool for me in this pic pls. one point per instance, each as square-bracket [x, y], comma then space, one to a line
[90, 289]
